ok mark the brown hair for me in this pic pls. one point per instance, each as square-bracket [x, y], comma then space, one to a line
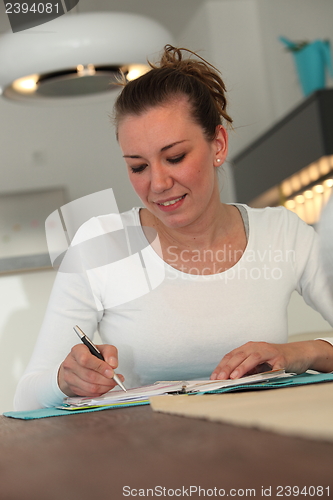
[175, 76]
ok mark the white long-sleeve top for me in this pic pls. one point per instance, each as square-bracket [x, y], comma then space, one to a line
[326, 239]
[167, 324]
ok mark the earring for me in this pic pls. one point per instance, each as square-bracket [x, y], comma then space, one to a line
[218, 160]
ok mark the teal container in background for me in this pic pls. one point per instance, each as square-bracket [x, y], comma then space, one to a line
[312, 60]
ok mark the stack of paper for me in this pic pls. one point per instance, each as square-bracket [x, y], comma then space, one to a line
[141, 395]
[203, 386]
[115, 397]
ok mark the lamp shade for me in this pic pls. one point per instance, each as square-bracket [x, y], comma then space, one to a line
[75, 47]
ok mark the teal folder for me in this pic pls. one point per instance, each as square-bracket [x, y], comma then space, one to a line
[57, 412]
[294, 381]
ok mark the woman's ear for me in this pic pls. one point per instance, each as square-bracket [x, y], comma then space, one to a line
[221, 145]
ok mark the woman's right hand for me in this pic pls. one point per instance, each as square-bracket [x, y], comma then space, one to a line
[83, 374]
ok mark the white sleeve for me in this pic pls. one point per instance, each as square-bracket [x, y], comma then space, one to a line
[326, 239]
[71, 302]
[313, 282]
[326, 245]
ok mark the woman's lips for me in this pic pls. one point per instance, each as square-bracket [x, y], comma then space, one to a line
[170, 204]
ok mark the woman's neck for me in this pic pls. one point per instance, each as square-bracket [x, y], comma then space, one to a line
[202, 233]
[199, 246]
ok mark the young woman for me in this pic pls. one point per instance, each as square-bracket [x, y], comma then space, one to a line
[229, 270]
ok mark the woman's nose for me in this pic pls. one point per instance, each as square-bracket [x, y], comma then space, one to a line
[160, 179]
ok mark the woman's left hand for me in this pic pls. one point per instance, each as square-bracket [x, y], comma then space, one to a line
[254, 357]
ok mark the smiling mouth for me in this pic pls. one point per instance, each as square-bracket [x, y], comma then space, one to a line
[171, 202]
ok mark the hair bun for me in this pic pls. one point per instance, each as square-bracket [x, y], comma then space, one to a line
[198, 67]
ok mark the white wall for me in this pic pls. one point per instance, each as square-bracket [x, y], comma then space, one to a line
[62, 145]
[23, 299]
[238, 51]
[302, 319]
[297, 20]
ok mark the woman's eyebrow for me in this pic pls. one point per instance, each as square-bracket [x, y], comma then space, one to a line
[165, 148]
[171, 145]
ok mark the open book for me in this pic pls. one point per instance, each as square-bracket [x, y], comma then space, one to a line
[141, 395]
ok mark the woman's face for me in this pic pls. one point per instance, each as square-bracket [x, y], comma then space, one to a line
[171, 165]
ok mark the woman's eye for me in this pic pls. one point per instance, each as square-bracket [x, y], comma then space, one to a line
[176, 159]
[137, 170]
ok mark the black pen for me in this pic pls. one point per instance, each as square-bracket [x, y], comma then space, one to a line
[93, 349]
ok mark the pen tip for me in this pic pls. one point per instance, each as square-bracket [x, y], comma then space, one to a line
[77, 330]
[119, 382]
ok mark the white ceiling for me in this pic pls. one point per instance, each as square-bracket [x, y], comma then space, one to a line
[173, 14]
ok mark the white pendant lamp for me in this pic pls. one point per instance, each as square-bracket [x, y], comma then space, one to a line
[77, 55]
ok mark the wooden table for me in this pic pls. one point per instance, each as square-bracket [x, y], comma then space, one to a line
[96, 455]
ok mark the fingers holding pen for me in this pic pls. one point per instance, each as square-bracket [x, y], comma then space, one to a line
[96, 352]
[83, 374]
[85, 358]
